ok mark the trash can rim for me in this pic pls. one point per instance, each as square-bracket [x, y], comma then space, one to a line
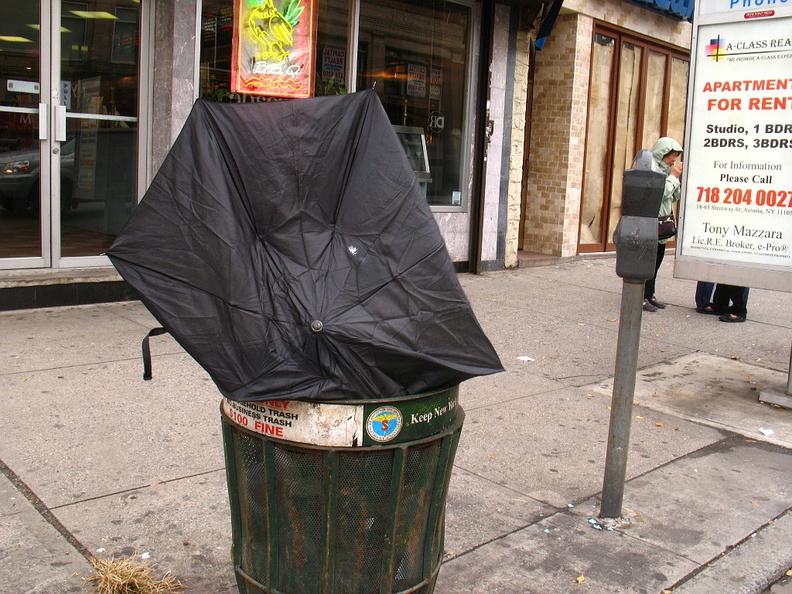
[359, 423]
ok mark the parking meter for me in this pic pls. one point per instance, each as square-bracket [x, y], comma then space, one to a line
[636, 253]
[636, 234]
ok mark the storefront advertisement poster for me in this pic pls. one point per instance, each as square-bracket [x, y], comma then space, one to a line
[436, 84]
[738, 193]
[333, 64]
[416, 80]
[273, 48]
[90, 101]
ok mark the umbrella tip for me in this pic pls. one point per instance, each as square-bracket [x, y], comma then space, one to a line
[316, 326]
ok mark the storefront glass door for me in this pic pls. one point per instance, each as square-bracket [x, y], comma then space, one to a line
[20, 150]
[68, 129]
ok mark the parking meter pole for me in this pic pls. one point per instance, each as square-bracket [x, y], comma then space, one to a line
[622, 400]
[636, 254]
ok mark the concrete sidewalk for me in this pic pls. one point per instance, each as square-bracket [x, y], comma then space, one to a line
[97, 461]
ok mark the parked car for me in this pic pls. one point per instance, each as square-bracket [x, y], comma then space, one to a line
[20, 173]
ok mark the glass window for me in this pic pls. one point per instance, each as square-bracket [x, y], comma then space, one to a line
[636, 94]
[125, 39]
[217, 33]
[98, 163]
[413, 52]
[597, 147]
[677, 98]
[94, 176]
[655, 82]
[20, 156]
[332, 61]
[625, 127]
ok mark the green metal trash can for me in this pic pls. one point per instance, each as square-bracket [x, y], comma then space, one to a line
[344, 497]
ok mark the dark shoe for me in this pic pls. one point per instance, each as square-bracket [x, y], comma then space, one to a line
[707, 309]
[656, 303]
[733, 318]
[648, 306]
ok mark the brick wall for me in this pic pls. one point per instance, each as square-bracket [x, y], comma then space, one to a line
[558, 123]
[558, 133]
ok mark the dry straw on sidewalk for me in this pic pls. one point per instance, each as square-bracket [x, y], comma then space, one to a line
[127, 576]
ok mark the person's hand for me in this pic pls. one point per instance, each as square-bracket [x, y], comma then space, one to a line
[676, 169]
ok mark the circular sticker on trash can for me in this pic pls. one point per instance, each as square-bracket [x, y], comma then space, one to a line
[384, 423]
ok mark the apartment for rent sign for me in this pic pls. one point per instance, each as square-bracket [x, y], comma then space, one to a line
[737, 206]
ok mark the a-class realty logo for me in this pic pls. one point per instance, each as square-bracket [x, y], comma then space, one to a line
[716, 48]
[719, 49]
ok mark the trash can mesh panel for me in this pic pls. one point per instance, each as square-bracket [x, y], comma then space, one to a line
[411, 527]
[364, 481]
[438, 538]
[251, 478]
[299, 477]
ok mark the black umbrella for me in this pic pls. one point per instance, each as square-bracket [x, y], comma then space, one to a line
[288, 248]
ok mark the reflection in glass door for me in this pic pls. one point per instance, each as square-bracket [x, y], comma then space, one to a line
[99, 85]
[20, 151]
[69, 178]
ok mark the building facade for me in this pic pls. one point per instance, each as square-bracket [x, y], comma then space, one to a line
[611, 79]
[516, 148]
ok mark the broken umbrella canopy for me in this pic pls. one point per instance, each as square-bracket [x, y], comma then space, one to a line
[288, 248]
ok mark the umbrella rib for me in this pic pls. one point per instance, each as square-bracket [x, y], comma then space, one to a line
[226, 154]
[351, 160]
[186, 284]
[400, 274]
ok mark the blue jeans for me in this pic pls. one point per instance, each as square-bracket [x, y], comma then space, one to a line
[704, 293]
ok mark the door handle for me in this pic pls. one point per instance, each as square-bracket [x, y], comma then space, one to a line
[60, 123]
[42, 114]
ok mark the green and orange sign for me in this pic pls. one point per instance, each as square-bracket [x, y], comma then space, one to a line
[273, 52]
